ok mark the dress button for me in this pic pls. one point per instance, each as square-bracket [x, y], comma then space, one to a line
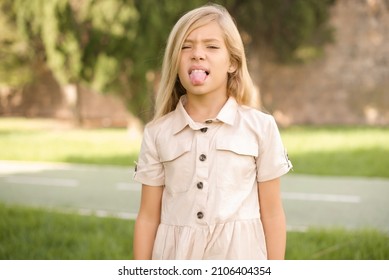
[202, 157]
[208, 121]
[204, 129]
[200, 185]
[200, 215]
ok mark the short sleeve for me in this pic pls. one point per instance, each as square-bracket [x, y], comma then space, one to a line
[149, 170]
[272, 161]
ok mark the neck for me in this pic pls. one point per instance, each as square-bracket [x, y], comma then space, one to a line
[201, 108]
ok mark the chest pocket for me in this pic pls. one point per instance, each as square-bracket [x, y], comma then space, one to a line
[236, 167]
[177, 162]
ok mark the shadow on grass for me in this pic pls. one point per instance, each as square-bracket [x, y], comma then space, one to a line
[369, 162]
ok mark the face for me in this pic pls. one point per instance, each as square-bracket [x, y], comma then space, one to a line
[205, 61]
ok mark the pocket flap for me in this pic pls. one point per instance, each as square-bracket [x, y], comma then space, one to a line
[175, 150]
[238, 145]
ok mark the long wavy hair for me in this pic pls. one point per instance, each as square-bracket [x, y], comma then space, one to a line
[239, 84]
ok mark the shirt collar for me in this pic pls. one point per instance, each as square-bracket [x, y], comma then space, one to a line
[181, 118]
[228, 113]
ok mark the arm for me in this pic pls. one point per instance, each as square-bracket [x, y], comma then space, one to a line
[147, 222]
[273, 218]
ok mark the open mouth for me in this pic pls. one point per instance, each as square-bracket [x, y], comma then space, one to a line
[198, 76]
[198, 71]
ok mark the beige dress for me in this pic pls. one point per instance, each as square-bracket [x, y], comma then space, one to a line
[209, 172]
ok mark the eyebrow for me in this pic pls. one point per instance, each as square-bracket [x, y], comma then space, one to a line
[207, 40]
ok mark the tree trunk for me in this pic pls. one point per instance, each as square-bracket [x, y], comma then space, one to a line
[74, 101]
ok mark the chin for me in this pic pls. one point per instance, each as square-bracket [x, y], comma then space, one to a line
[196, 93]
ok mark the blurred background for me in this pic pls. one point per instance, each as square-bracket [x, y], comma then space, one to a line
[77, 84]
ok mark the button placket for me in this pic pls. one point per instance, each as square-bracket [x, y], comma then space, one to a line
[201, 173]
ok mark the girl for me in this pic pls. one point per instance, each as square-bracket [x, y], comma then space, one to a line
[209, 164]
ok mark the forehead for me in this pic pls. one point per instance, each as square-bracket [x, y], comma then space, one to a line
[208, 31]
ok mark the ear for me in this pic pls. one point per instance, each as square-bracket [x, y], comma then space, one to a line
[233, 67]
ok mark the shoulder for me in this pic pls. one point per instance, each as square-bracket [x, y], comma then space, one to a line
[255, 118]
[160, 124]
[157, 129]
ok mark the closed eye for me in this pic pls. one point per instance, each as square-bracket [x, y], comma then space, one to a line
[213, 47]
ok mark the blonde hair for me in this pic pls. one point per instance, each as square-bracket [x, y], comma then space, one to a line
[239, 83]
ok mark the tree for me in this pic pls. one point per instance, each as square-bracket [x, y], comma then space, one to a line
[14, 53]
[82, 42]
[285, 27]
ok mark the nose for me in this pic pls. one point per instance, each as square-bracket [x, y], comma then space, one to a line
[198, 53]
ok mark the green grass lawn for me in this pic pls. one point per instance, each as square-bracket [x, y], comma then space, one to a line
[35, 234]
[47, 140]
[343, 151]
[27, 233]
[339, 151]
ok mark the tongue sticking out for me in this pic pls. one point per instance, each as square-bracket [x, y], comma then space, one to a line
[197, 77]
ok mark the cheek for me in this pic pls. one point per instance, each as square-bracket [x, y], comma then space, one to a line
[181, 69]
[181, 75]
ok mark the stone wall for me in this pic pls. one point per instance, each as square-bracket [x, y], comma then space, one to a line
[349, 84]
[40, 99]
[45, 98]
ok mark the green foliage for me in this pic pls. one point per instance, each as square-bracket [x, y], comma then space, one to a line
[108, 30]
[59, 35]
[83, 42]
[284, 26]
[14, 53]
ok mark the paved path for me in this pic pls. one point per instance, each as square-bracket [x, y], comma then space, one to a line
[308, 200]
